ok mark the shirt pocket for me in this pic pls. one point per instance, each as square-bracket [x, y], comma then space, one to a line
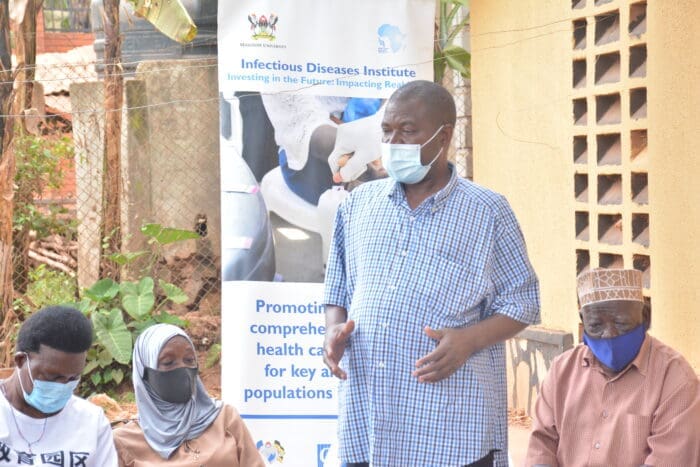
[635, 430]
[454, 293]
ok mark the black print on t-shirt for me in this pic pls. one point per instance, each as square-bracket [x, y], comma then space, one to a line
[53, 458]
[77, 459]
[4, 452]
[25, 458]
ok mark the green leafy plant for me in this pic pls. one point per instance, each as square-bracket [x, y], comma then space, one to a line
[120, 311]
[213, 356]
[446, 52]
[39, 161]
[47, 287]
[39, 164]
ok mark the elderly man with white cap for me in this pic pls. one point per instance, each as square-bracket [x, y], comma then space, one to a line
[622, 398]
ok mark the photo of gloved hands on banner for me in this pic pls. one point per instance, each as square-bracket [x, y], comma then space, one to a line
[325, 141]
[356, 155]
[302, 155]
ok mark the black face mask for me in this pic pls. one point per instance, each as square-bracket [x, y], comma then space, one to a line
[175, 386]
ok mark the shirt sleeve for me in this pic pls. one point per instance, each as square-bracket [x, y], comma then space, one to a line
[248, 454]
[335, 291]
[544, 438]
[516, 285]
[105, 454]
[675, 432]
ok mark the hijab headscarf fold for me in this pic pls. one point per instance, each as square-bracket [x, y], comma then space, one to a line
[167, 425]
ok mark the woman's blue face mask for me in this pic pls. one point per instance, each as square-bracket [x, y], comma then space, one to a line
[47, 396]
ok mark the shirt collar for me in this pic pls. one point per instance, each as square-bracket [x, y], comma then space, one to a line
[641, 361]
[395, 191]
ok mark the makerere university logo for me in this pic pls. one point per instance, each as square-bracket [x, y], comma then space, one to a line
[263, 28]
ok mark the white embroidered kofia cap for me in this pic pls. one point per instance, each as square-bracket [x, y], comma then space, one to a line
[602, 285]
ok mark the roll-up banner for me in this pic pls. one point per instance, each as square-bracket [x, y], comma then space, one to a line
[302, 86]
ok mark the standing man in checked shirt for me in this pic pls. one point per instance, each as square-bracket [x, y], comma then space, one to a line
[427, 276]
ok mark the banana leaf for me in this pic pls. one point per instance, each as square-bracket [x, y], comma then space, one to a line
[169, 17]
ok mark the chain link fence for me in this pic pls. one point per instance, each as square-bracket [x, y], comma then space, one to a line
[169, 177]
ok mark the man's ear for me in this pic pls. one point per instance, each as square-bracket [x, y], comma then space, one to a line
[447, 132]
[20, 359]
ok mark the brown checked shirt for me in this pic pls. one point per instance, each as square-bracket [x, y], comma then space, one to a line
[647, 414]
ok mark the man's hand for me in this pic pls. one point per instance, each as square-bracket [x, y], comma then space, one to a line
[334, 346]
[454, 347]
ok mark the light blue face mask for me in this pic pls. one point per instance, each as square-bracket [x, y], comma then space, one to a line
[402, 161]
[48, 396]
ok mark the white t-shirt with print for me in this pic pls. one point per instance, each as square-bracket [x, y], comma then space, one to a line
[77, 436]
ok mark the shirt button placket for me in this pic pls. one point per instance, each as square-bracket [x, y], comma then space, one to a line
[409, 234]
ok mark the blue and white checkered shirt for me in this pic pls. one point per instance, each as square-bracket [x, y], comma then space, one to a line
[455, 260]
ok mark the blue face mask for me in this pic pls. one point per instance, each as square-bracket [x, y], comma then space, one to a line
[402, 161]
[48, 396]
[617, 352]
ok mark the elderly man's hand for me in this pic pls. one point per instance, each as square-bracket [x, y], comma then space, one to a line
[453, 349]
[334, 346]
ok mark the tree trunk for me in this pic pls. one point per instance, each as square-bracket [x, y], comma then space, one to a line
[111, 176]
[7, 175]
[25, 51]
[7, 165]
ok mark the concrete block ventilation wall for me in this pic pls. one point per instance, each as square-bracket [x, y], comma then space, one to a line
[609, 107]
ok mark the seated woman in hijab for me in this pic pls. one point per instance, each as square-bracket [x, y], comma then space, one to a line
[178, 423]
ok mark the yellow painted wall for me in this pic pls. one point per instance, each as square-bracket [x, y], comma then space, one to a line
[521, 105]
[674, 178]
[522, 134]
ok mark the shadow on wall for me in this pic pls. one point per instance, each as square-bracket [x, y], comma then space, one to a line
[530, 355]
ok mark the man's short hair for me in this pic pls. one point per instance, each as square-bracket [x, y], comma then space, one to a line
[437, 100]
[60, 327]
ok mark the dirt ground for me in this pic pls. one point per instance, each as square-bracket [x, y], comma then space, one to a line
[519, 424]
[205, 330]
[518, 417]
